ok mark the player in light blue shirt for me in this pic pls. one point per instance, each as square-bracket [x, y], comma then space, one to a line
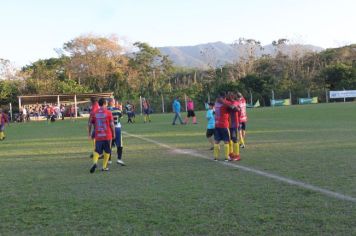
[210, 116]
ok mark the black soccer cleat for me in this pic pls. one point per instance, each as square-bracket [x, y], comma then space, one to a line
[92, 169]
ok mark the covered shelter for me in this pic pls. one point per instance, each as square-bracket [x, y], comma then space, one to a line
[61, 98]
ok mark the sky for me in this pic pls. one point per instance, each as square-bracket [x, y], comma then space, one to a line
[32, 29]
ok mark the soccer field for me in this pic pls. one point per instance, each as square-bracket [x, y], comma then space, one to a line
[169, 187]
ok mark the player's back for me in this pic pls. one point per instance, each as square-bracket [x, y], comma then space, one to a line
[101, 121]
[221, 115]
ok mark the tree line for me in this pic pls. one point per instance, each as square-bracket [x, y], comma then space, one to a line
[92, 63]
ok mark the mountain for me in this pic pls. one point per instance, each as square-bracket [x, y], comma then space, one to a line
[218, 53]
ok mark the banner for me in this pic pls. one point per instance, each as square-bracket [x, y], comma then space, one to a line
[343, 94]
[280, 102]
[257, 104]
[312, 100]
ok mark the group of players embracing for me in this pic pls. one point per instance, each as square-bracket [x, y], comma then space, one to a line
[227, 119]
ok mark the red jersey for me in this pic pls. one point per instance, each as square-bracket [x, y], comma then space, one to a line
[3, 119]
[235, 115]
[102, 119]
[243, 113]
[222, 114]
[94, 107]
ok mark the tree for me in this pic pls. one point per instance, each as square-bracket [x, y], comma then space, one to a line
[93, 59]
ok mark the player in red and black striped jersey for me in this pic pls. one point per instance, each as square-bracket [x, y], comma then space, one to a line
[3, 120]
[103, 124]
[222, 132]
[243, 119]
[234, 125]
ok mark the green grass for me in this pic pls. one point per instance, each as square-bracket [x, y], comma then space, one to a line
[46, 188]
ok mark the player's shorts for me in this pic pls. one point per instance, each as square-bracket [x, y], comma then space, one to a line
[146, 111]
[209, 133]
[233, 134]
[222, 134]
[118, 138]
[242, 126]
[101, 146]
[191, 113]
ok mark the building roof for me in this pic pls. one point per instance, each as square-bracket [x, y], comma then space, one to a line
[33, 99]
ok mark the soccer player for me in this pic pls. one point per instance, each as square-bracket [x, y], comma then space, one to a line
[243, 119]
[3, 120]
[130, 112]
[93, 109]
[176, 109]
[103, 124]
[234, 125]
[146, 110]
[222, 133]
[210, 116]
[117, 114]
[190, 108]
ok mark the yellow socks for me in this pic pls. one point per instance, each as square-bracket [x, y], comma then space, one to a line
[95, 157]
[227, 150]
[216, 151]
[230, 146]
[106, 159]
[236, 148]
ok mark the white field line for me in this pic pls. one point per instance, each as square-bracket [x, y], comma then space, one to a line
[300, 184]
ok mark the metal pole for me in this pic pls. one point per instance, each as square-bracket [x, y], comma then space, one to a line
[162, 103]
[290, 97]
[186, 105]
[326, 96]
[141, 104]
[19, 104]
[58, 102]
[208, 97]
[10, 111]
[251, 100]
[344, 97]
[272, 98]
[75, 106]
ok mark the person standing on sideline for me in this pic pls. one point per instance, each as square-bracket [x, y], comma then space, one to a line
[210, 116]
[190, 108]
[176, 109]
[103, 124]
[3, 120]
[116, 114]
[146, 107]
[243, 119]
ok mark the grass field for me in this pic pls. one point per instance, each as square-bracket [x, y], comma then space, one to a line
[46, 188]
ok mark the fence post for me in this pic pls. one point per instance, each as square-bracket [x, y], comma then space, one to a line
[251, 100]
[162, 103]
[141, 104]
[10, 111]
[290, 97]
[326, 96]
[272, 98]
[186, 105]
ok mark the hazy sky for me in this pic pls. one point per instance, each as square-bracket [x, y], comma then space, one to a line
[31, 29]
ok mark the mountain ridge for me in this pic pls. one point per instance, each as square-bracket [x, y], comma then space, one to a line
[215, 54]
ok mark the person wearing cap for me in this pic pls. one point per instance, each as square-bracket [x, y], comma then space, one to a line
[117, 114]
